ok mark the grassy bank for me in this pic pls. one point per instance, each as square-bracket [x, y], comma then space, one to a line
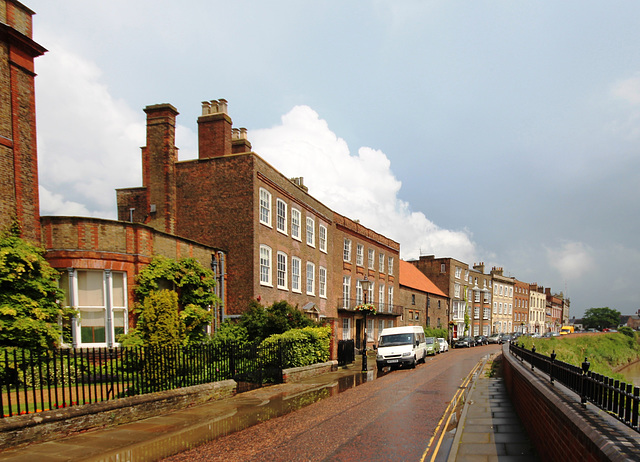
[607, 353]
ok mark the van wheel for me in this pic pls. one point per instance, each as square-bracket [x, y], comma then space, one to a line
[413, 363]
[380, 368]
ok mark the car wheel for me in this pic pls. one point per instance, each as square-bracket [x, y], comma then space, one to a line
[413, 363]
[380, 368]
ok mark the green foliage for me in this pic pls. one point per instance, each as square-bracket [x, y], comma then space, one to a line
[601, 318]
[230, 332]
[628, 331]
[29, 294]
[158, 321]
[605, 352]
[433, 332]
[261, 322]
[306, 346]
[193, 285]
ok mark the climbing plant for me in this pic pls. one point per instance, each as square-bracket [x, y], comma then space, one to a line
[30, 305]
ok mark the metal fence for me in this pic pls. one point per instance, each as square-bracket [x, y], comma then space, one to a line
[617, 398]
[34, 381]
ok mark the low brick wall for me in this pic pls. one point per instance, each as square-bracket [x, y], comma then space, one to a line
[558, 425]
[296, 374]
[48, 425]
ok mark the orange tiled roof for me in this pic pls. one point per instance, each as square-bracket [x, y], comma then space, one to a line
[412, 277]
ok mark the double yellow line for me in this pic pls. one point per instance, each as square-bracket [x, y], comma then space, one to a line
[448, 414]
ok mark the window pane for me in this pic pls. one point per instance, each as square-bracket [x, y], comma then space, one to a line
[63, 283]
[90, 288]
[117, 280]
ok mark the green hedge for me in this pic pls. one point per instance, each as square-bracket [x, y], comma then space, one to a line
[306, 346]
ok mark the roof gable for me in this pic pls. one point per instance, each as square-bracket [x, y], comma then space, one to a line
[412, 277]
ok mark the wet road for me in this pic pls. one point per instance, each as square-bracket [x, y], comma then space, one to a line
[389, 418]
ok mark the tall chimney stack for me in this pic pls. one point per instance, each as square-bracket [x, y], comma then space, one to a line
[214, 130]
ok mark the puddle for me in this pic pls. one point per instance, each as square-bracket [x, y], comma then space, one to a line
[235, 420]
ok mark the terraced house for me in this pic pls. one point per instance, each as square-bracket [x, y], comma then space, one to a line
[282, 243]
[502, 315]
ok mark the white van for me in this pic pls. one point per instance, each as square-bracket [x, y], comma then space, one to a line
[401, 346]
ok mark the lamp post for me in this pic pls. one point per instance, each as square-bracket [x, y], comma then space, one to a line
[364, 283]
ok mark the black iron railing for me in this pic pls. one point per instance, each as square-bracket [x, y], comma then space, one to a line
[34, 381]
[619, 399]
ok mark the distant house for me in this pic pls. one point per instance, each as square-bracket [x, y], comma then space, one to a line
[422, 301]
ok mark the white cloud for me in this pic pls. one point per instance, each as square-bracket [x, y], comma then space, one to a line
[628, 89]
[88, 141]
[360, 187]
[572, 260]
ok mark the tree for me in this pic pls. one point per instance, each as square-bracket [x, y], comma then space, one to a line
[159, 323]
[191, 283]
[29, 295]
[601, 318]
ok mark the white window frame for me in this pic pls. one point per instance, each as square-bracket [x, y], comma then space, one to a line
[372, 256]
[266, 277]
[296, 223]
[311, 278]
[281, 269]
[346, 291]
[311, 229]
[322, 238]
[346, 328]
[390, 298]
[346, 252]
[458, 272]
[265, 207]
[381, 263]
[322, 282]
[390, 266]
[369, 329]
[359, 254]
[381, 295]
[296, 268]
[281, 216]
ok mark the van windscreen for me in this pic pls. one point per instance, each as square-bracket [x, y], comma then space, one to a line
[396, 339]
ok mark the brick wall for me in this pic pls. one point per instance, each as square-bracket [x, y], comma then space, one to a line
[19, 164]
[556, 424]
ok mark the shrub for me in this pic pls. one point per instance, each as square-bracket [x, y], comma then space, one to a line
[302, 347]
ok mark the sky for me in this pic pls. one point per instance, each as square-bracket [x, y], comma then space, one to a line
[503, 132]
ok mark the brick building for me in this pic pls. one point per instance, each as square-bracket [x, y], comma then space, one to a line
[450, 276]
[18, 159]
[479, 300]
[283, 244]
[520, 306]
[423, 303]
[98, 259]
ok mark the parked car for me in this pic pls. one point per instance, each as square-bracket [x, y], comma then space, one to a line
[495, 338]
[536, 335]
[432, 346]
[466, 342]
[550, 334]
[506, 338]
[481, 340]
[444, 345]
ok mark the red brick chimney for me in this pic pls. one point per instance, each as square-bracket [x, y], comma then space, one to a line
[159, 157]
[214, 130]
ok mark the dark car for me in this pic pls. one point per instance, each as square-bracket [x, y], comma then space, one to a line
[466, 342]
[495, 338]
[506, 338]
[481, 340]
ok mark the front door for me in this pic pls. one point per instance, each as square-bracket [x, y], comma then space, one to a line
[358, 333]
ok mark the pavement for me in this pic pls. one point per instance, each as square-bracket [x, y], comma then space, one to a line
[488, 429]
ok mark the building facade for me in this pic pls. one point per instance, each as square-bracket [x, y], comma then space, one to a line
[502, 313]
[283, 244]
[423, 303]
[520, 307]
[479, 297]
[537, 309]
[19, 199]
